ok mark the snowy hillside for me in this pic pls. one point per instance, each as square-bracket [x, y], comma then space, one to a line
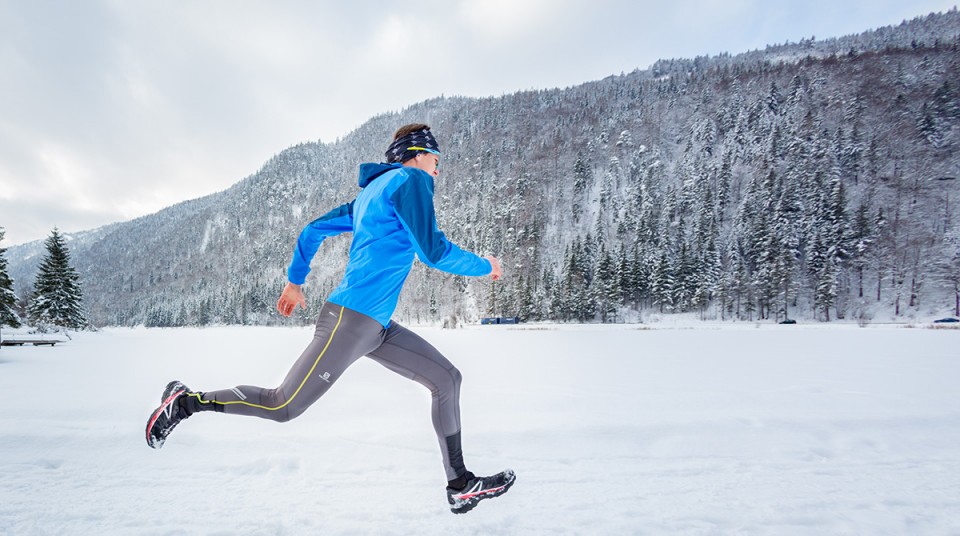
[814, 180]
[726, 429]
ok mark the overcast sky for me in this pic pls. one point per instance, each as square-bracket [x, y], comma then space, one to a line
[110, 110]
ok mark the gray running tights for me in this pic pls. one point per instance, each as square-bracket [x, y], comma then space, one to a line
[342, 336]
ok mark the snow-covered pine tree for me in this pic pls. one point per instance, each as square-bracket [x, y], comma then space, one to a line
[661, 284]
[683, 270]
[786, 214]
[863, 234]
[58, 297]
[606, 287]
[527, 307]
[582, 177]
[625, 280]
[8, 300]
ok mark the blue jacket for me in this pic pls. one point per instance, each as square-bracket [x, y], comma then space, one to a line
[392, 218]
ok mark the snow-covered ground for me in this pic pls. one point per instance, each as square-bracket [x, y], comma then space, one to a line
[705, 429]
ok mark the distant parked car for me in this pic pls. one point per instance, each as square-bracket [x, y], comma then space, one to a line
[788, 321]
[948, 320]
[500, 320]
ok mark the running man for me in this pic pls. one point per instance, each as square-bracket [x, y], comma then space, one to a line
[392, 220]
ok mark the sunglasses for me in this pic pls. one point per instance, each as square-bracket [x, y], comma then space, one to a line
[431, 151]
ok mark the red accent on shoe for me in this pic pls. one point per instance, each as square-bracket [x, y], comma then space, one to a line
[156, 414]
[479, 493]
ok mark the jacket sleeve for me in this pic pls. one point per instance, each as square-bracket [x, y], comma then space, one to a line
[413, 202]
[338, 220]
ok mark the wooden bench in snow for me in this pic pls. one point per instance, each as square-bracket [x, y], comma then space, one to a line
[19, 342]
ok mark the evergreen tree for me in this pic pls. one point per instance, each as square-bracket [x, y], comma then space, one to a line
[786, 213]
[927, 126]
[682, 271]
[838, 236]
[434, 306]
[8, 300]
[58, 297]
[863, 235]
[553, 289]
[709, 275]
[571, 284]
[774, 99]
[736, 284]
[582, 176]
[946, 102]
[624, 276]
[851, 160]
[661, 284]
[579, 299]
[606, 285]
[525, 307]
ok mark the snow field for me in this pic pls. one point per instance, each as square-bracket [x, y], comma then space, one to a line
[721, 429]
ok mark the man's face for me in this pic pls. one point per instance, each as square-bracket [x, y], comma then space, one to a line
[427, 162]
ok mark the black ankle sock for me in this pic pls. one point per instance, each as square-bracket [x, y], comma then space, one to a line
[191, 404]
[461, 481]
[186, 405]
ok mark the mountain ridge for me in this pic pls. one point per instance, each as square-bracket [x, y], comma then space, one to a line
[500, 146]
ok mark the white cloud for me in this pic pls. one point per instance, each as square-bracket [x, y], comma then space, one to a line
[495, 23]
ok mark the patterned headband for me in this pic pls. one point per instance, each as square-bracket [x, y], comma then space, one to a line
[406, 147]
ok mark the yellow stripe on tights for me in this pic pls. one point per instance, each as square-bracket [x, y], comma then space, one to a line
[314, 367]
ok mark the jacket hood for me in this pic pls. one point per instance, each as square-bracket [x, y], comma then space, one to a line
[370, 171]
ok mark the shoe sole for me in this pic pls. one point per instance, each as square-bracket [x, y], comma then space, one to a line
[171, 387]
[156, 443]
[486, 494]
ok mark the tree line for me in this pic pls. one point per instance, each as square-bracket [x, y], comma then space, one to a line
[56, 299]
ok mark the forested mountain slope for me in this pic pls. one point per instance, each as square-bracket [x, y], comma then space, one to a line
[811, 180]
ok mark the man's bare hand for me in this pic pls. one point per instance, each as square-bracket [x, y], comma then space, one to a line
[497, 273]
[290, 298]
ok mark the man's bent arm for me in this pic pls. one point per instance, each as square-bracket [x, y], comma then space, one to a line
[338, 220]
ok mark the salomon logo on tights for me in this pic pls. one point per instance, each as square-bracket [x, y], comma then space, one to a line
[325, 377]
